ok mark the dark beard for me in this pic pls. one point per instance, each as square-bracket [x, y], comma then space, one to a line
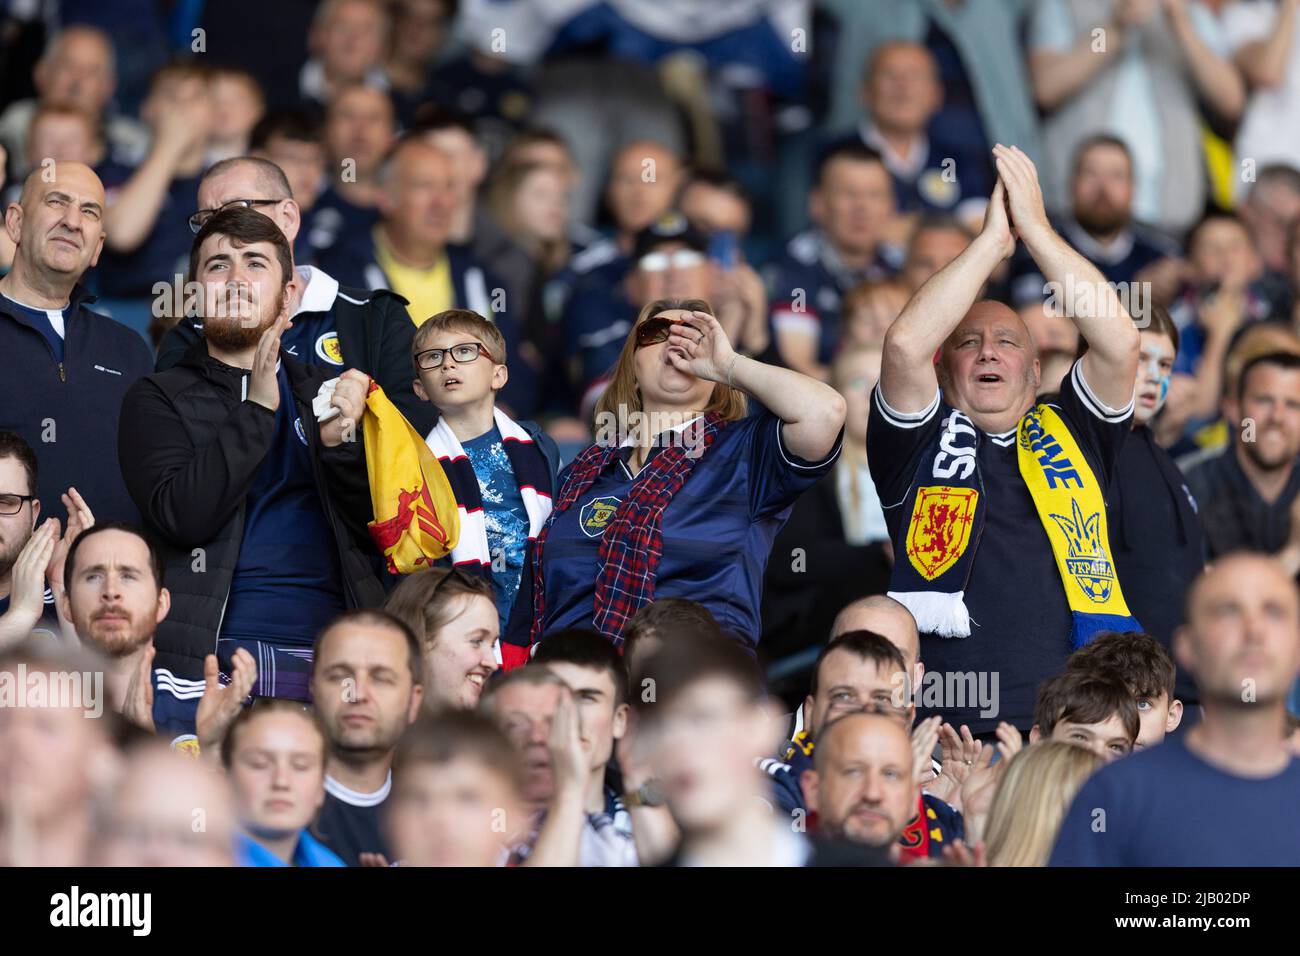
[1101, 220]
[232, 335]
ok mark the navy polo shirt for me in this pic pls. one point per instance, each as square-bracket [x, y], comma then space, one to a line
[717, 530]
[287, 583]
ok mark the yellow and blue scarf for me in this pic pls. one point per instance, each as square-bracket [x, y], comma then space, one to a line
[936, 547]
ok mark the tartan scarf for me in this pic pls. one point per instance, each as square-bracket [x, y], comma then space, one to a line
[632, 545]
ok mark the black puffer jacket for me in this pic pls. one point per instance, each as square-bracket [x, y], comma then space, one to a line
[190, 447]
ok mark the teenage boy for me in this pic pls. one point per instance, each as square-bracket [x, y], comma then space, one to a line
[502, 472]
[1146, 668]
[1096, 711]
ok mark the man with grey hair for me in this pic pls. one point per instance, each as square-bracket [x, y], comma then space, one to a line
[334, 327]
[78, 70]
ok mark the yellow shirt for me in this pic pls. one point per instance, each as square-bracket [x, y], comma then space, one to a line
[427, 291]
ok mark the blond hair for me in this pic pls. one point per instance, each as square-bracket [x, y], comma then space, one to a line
[461, 320]
[1036, 790]
[623, 397]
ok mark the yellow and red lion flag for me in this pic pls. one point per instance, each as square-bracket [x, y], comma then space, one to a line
[416, 521]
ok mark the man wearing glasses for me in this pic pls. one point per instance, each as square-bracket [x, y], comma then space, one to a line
[334, 327]
[66, 369]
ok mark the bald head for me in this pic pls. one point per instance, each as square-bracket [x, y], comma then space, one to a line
[988, 367]
[862, 786]
[1242, 637]
[58, 226]
[886, 617]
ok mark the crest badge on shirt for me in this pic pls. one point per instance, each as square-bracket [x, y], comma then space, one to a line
[328, 349]
[940, 528]
[298, 429]
[936, 189]
[596, 515]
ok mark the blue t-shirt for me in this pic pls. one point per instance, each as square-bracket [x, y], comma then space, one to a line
[717, 530]
[1165, 806]
[503, 513]
[287, 583]
[44, 320]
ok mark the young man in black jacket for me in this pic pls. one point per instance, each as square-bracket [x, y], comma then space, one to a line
[334, 327]
[260, 510]
[66, 369]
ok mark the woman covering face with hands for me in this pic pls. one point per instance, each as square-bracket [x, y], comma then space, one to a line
[682, 493]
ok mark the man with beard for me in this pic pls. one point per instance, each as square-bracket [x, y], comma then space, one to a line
[1159, 545]
[861, 786]
[1242, 644]
[113, 595]
[66, 368]
[365, 684]
[1102, 226]
[259, 507]
[1247, 494]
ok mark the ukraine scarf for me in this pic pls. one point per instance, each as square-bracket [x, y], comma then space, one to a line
[936, 547]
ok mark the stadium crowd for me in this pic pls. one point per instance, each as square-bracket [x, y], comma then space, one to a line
[650, 433]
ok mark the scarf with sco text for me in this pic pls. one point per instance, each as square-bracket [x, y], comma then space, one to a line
[941, 537]
[632, 545]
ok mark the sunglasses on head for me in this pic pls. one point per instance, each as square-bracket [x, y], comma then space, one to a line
[655, 330]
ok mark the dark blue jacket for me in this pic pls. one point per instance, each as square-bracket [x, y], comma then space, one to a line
[68, 411]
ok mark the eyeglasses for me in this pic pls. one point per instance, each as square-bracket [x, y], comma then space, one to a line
[662, 261]
[463, 354]
[655, 330]
[12, 504]
[203, 215]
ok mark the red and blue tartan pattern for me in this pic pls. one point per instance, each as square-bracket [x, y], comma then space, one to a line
[632, 545]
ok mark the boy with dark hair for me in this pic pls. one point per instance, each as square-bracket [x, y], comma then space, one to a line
[585, 822]
[665, 620]
[502, 472]
[1143, 664]
[455, 775]
[1092, 710]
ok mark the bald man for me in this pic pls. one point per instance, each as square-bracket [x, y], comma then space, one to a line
[1223, 794]
[1003, 556]
[861, 786]
[66, 367]
[410, 251]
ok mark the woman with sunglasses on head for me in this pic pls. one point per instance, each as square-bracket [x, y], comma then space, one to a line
[682, 494]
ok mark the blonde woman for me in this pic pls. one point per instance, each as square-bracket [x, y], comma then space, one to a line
[1033, 796]
[683, 492]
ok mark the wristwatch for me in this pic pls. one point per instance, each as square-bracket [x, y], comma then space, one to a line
[646, 795]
